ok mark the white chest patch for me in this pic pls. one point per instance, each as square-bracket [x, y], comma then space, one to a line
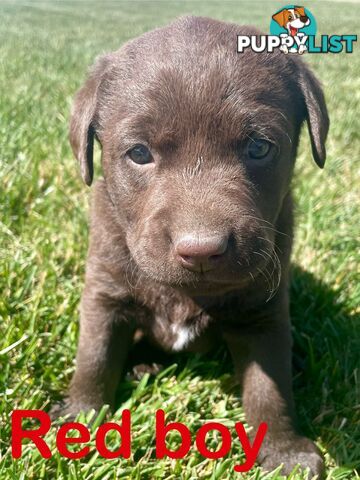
[183, 336]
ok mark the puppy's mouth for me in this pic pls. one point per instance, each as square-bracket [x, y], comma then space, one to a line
[215, 282]
[211, 282]
[210, 287]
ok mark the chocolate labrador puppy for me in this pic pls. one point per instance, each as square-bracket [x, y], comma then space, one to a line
[191, 226]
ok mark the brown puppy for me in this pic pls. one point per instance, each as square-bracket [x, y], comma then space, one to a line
[191, 227]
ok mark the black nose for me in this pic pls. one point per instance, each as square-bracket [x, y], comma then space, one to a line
[304, 19]
[201, 253]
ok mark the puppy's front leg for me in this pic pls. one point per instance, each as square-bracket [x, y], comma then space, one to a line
[105, 338]
[263, 364]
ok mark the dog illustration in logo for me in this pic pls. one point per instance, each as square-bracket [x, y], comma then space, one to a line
[292, 19]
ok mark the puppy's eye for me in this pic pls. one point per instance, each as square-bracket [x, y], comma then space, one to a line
[258, 148]
[140, 155]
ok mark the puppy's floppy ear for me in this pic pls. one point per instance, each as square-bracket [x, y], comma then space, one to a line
[315, 113]
[280, 17]
[82, 131]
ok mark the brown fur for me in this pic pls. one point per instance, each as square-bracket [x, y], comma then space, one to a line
[185, 92]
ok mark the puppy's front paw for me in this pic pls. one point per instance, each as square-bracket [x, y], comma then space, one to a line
[301, 452]
[69, 409]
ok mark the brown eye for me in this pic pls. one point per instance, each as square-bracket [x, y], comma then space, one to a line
[258, 148]
[140, 155]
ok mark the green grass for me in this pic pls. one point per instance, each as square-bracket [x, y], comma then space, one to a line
[45, 49]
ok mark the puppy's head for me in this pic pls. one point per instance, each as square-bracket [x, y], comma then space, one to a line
[295, 17]
[198, 147]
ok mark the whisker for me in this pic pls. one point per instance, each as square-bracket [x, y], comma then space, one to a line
[269, 225]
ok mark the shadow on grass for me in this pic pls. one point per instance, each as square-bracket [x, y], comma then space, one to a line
[325, 358]
[325, 353]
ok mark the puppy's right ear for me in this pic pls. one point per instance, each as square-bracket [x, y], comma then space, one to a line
[82, 131]
[280, 17]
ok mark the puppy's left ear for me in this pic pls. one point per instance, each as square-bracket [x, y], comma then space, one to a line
[316, 113]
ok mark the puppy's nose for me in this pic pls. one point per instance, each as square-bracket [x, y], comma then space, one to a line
[201, 253]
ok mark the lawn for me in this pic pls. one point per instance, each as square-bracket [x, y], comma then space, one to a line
[45, 50]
